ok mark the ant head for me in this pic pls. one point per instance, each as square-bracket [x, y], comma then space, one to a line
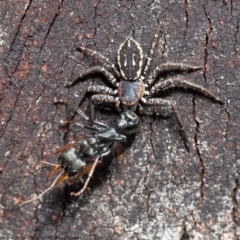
[128, 122]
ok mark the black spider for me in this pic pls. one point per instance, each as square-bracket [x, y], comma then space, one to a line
[132, 85]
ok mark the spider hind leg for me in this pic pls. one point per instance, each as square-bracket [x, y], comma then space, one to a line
[161, 102]
[176, 82]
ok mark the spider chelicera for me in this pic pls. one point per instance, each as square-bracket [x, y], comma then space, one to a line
[132, 85]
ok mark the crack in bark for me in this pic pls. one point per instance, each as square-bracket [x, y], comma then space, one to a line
[201, 162]
[11, 112]
[235, 38]
[94, 18]
[185, 235]
[235, 203]
[147, 200]
[186, 16]
[146, 174]
[231, 2]
[151, 140]
[228, 119]
[51, 24]
[150, 3]
[39, 95]
[36, 212]
[209, 33]
[19, 25]
[10, 75]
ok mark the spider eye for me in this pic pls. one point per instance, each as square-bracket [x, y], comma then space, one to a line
[130, 59]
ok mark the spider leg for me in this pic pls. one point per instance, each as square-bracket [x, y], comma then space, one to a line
[101, 89]
[151, 52]
[102, 58]
[171, 83]
[88, 179]
[97, 69]
[140, 108]
[103, 95]
[168, 67]
[99, 99]
[161, 102]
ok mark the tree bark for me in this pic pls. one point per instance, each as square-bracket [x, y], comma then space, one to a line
[155, 189]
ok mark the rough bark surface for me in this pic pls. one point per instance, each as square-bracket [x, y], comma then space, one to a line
[156, 189]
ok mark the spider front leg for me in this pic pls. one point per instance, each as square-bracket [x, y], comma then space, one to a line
[151, 52]
[95, 88]
[171, 83]
[161, 102]
[99, 99]
[102, 58]
[97, 69]
[168, 67]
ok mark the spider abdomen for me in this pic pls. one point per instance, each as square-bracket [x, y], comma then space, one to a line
[130, 92]
[130, 59]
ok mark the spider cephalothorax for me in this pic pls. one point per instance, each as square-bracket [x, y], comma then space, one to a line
[132, 85]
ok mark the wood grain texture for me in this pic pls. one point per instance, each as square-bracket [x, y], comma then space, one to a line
[155, 189]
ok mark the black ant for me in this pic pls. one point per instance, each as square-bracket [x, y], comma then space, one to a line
[96, 146]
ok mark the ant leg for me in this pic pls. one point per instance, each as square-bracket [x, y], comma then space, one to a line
[62, 178]
[161, 102]
[66, 103]
[88, 179]
[168, 67]
[70, 112]
[83, 172]
[54, 170]
[40, 196]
